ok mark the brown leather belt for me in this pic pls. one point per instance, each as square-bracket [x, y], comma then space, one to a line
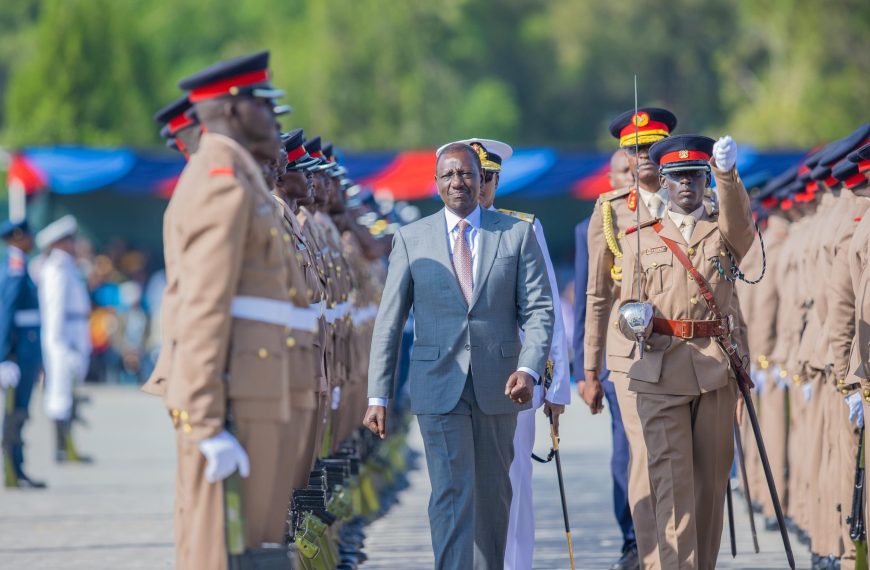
[690, 329]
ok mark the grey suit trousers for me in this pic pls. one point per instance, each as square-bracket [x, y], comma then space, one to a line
[469, 455]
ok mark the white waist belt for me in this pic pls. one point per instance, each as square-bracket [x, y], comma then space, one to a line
[27, 318]
[363, 315]
[275, 312]
[337, 312]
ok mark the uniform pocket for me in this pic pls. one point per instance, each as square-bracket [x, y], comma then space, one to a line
[657, 265]
[258, 362]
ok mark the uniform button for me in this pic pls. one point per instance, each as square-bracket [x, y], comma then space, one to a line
[655, 264]
[693, 300]
[291, 342]
[187, 428]
[691, 251]
[783, 374]
[844, 391]
[286, 238]
[722, 253]
[649, 347]
[263, 353]
[175, 413]
[273, 232]
[467, 347]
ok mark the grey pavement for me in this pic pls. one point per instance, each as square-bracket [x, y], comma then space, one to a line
[117, 513]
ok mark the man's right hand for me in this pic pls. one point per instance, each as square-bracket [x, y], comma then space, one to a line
[376, 420]
[591, 392]
[10, 374]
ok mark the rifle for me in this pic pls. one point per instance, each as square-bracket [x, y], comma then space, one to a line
[857, 528]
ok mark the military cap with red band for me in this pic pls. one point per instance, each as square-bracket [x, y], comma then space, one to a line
[246, 75]
[176, 116]
[297, 156]
[652, 125]
[682, 152]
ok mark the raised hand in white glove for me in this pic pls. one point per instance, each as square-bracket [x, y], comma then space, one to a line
[856, 409]
[224, 454]
[10, 374]
[808, 391]
[725, 153]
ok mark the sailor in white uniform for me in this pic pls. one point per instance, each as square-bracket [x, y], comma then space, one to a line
[521, 527]
[65, 309]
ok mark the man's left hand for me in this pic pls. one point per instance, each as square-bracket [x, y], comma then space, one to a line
[519, 387]
[554, 411]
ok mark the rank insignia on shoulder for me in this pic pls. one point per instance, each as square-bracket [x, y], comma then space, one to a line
[530, 218]
[618, 193]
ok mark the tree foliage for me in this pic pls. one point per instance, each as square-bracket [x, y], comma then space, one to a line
[374, 74]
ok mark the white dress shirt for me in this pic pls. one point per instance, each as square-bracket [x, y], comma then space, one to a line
[473, 235]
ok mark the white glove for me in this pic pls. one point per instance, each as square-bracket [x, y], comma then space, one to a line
[224, 455]
[808, 391]
[336, 397]
[856, 409]
[10, 374]
[725, 153]
[759, 377]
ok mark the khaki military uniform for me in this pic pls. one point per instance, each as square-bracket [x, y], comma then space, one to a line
[222, 242]
[686, 393]
[615, 212]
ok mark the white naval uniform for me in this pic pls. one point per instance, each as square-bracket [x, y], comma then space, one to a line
[65, 309]
[521, 525]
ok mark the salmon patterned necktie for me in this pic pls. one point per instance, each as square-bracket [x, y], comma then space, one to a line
[462, 261]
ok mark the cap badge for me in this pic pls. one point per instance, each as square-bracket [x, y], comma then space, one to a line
[640, 119]
[684, 154]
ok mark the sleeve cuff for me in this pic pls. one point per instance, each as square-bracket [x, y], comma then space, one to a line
[382, 402]
[531, 372]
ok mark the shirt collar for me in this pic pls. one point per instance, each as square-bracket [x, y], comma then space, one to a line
[678, 217]
[453, 220]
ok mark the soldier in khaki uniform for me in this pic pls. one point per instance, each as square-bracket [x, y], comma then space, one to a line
[615, 212]
[228, 316]
[686, 392]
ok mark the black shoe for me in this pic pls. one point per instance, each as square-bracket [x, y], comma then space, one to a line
[24, 482]
[771, 524]
[628, 561]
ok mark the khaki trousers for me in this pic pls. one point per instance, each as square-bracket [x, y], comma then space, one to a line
[773, 422]
[796, 455]
[278, 453]
[844, 475]
[690, 447]
[640, 499]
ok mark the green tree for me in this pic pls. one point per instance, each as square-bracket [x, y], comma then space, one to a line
[89, 81]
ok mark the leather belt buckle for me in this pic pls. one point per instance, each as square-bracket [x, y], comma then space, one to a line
[687, 329]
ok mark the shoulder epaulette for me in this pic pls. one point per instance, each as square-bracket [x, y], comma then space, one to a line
[614, 194]
[530, 218]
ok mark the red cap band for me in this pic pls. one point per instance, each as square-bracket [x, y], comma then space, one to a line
[649, 126]
[864, 166]
[296, 153]
[179, 122]
[682, 156]
[831, 181]
[225, 86]
[786, 204]
[854, 180]
[317, 154]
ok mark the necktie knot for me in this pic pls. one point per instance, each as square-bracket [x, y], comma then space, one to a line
[463, 225]
[655, 205]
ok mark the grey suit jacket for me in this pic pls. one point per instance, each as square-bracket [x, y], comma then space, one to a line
[511, 291]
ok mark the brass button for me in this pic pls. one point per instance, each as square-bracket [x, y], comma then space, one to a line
[291, 292]
[187, 428]
[291, 342]
[693, 300]
[176, 412]
[184, 415]
[649, 347]
[286, 238]
[263, 353]
[844, 391]
[691, 251]
[722, 253]
[867, 393]
[783, 374]
[796, 378]
[273, 231]
[654, 264]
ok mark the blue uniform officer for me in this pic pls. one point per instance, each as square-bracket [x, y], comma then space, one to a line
[20, 352]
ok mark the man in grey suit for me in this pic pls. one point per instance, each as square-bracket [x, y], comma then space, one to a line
[474, 278]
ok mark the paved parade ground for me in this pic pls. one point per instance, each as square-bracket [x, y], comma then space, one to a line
[117, 513]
